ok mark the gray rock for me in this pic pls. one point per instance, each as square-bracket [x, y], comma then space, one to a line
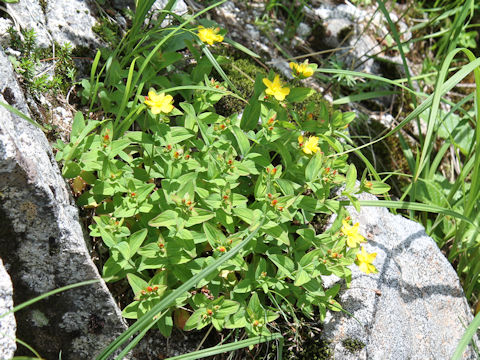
[42, 243]
[303, 30]
[71, 21]
[179, 8]
[58, 21]
[413, 308]
[7, 323]
[29, 14]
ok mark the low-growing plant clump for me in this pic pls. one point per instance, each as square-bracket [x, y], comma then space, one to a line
[177, 187]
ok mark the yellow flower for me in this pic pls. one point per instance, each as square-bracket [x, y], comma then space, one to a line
[310, 146]
[353, 237]
[275, 88]
[365, 260]
[159, 102]
[209, 35]
[304, 70]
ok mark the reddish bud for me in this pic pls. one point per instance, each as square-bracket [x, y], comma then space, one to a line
[274, 171]
[149, 289]
[222, 249]
[269, 195]
[209, 312]
[169, 147]
[187, 157]
[274, 202]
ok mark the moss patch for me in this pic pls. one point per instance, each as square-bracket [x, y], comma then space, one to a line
[107, 31]
[353, 345]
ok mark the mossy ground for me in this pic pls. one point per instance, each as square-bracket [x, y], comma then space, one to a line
[353, 345]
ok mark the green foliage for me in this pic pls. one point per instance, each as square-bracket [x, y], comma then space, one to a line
[28, 63]
[108, 31]
[175, 191]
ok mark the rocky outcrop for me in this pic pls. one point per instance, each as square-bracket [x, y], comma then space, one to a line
[42, 243]
[7, 323]
[414, 308]
[56, 21]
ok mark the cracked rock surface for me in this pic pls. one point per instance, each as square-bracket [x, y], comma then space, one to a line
[58, 21]
[42, 243]
[413, 308]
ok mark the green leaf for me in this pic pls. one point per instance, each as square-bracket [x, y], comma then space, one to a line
[124, 249]
[228, 307]
[260, 187]
[236, 321]
[195, 320]
[301, 277]
[313, 167]
[131, 310]
[137, 284]
[178, 134]
[214, 235]
[299, 94]
[199, 216]
[71, 170]
[242, 140]
[77, 125]
[379, 187]
[277, 231]
[251, 114]
[167, 218]
[136, 239]
[283, 263]
[351, 178]
[165, 324]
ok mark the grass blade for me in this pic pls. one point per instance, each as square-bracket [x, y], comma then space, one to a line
[229, 347]
[466, 338]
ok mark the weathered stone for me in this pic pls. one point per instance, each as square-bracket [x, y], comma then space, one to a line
[71, 21]
[179, 8]
[413, 308]
[7, 323]
[42, 243]
[29, 14]
[58, 21]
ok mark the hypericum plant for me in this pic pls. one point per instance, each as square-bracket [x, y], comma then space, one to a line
[186, 185]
